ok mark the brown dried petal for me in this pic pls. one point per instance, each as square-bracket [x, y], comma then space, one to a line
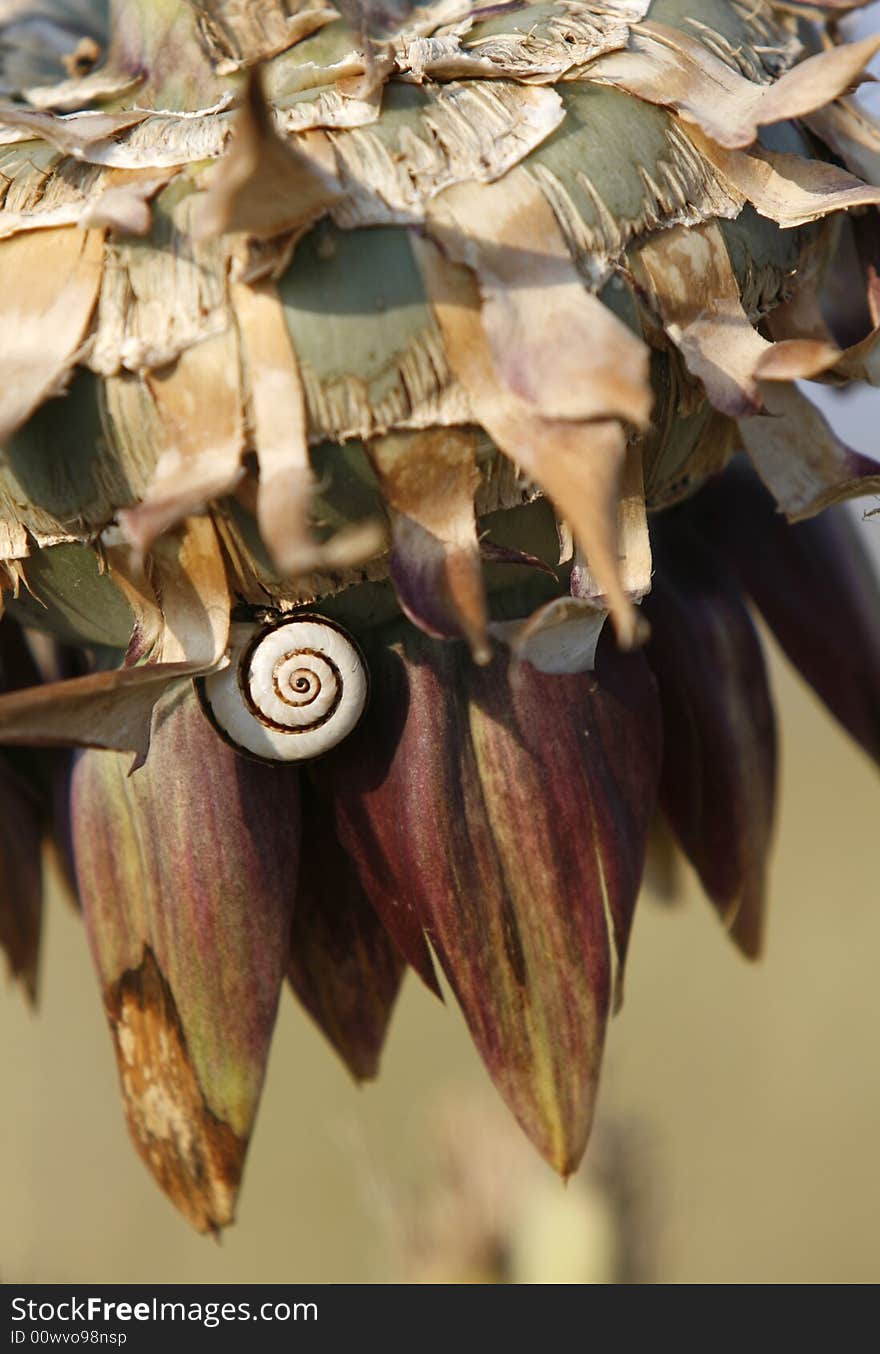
[554, 344]
[691, 282]
[786, 188]
[200, 434]
[265, 185]
[579, 464]
[187, 872]
[800, 458]
[665, 66]
[49, 283]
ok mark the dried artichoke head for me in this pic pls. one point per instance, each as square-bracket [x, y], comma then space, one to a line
[361, 360]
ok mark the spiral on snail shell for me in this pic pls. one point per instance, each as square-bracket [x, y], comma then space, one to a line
[292, 690]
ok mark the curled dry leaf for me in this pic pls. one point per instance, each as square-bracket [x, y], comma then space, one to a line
[691, 283]
[49, 284]
[428, 481]
[559, 637]
[664, 66]
[800, 458]
[114, 709]
[786, 188]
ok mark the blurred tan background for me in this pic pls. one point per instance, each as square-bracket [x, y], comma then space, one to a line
[751, 1096]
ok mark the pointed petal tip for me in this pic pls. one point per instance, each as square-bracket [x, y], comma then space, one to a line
[196, 1159]
[343, 968]
[747, 928]
[561, 1146]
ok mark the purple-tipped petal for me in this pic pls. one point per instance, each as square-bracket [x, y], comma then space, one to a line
[816, 588]
[491, 552]
[23, 812]
[343, 966]
[719, 763]
[355, 778]
[187, 872]
[520, 806]
[21, 884]
[429, 479]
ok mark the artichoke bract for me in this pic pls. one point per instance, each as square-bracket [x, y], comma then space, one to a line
[400, 407]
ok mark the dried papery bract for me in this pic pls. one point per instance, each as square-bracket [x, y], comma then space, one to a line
[578, 462]
[690, 279]
[45, 314]
[786, 188]
[665, 66]
[553, 344]
[278, 413]
[800, 458]
[265, 186]
[200, 436]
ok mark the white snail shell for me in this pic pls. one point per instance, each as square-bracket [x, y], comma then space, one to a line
[291, 691]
